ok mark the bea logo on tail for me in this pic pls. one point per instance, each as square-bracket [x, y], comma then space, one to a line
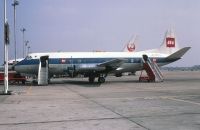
[170, 42]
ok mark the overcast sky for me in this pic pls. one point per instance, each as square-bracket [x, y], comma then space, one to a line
[86, 25]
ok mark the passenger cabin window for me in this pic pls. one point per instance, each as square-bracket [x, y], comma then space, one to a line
[79, 61]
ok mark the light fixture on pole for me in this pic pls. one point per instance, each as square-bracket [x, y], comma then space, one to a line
[15, 3]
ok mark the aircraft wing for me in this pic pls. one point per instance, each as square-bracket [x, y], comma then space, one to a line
[105, 66]
[115, 63]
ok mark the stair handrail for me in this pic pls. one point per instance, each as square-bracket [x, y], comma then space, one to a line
[158, 69]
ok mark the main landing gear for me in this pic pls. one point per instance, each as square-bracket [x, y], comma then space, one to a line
[101, 79]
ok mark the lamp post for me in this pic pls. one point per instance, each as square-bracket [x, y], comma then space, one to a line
[15, 3]
[26, 47]
[23, 30]
[6, 42]
[29, 49]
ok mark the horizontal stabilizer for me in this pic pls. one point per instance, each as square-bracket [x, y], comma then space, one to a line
[178, 54]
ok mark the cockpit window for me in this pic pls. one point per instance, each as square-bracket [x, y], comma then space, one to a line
[29, 57]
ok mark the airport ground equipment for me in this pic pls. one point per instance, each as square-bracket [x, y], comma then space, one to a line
[13, 77]
[153, 71]
[43, 71]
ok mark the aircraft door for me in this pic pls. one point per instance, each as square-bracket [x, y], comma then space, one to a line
[72, 71]
[43, 71]
[72, 68]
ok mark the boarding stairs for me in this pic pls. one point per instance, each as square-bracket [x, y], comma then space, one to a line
[43, 70]
[153, 71]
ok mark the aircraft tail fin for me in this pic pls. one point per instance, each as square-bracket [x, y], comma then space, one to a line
[170, 44]
[131, 46]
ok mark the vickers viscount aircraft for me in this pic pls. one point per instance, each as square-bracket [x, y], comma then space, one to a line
[98, 64]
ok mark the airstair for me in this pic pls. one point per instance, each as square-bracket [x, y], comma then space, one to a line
[153, 71]
[43, 71]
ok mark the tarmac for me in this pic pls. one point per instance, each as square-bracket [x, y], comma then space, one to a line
[122, 103]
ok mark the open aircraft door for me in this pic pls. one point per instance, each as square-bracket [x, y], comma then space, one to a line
[43, 71]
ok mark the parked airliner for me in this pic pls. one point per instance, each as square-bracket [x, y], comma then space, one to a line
[99, 64]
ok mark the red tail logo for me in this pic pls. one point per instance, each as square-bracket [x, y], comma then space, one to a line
[131, 47]
[170, 42]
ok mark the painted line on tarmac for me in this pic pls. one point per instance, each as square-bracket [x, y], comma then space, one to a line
[186, 101]
[107, 108]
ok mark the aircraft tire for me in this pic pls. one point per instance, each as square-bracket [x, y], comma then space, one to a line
[101, 80]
